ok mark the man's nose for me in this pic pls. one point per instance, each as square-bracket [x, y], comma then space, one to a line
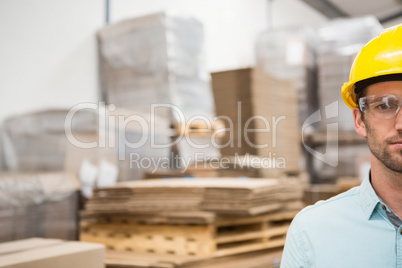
[398, 119]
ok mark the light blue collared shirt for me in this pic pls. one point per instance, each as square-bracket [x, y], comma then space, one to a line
[349, 230]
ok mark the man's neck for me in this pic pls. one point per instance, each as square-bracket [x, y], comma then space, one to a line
[388, 186]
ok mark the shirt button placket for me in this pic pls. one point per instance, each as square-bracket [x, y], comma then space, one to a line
[399, 248]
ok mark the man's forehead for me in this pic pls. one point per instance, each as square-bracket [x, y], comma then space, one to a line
[388, 87]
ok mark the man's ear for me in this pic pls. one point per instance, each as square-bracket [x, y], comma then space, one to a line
[360, 126]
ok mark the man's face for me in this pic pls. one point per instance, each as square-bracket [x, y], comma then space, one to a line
[384, 136]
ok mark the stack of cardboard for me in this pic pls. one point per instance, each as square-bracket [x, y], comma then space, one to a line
[155, 65]
[42, 204]
[276, 101]
[229, 195]
[261, 116]
[156, 59]
[288, 54]
[159, 217]
[232, 92]
[255, 197]
[147, 196]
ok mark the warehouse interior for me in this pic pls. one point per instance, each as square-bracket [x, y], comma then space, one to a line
[174, 134]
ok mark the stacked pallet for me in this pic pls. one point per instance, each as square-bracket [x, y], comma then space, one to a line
[261, 116]
[225, 236]
[259, 259]
[202, 218]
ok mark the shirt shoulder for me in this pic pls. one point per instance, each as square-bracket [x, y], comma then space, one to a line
[330, 208]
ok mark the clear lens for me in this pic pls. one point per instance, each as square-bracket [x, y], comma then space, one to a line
[381, 107]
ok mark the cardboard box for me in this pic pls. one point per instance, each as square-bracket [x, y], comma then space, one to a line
[262, 114]
[54, 253]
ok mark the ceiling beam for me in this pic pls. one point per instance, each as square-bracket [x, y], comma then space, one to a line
[391, 17]
[326, 8]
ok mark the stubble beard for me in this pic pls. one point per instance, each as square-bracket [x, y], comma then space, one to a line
[381, 151]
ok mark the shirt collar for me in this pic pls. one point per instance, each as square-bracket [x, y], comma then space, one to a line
[368, 197]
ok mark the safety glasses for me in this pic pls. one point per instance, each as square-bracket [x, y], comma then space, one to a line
[381, 106]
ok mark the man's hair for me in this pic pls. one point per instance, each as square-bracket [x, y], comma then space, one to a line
[360, 94]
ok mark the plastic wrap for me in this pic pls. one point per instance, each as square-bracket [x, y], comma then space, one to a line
[38, 205]
[339, 42]
[288, 54]
[156, 59]
[37, 141]
[144, 148]
[133, 141]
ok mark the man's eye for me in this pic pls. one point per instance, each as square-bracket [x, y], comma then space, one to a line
[387, 106]
[383, 106]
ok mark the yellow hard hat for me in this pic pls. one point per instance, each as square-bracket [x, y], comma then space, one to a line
[380, 57]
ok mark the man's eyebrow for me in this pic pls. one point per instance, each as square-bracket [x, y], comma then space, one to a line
[380, 98]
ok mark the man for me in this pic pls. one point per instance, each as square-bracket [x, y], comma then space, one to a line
[362, 227]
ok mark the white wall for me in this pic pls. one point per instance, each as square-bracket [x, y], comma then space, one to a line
[47, 52]
[48, 56]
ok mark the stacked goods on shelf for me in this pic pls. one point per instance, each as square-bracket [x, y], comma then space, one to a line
[155, 64]
[266, 124]
[39, 253]
[193, 217]
[288, 54]
[339, 42]
[38, 204]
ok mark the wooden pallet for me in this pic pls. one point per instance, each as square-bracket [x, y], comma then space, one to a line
[199, 128]
[226, 236]
[259, 259]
